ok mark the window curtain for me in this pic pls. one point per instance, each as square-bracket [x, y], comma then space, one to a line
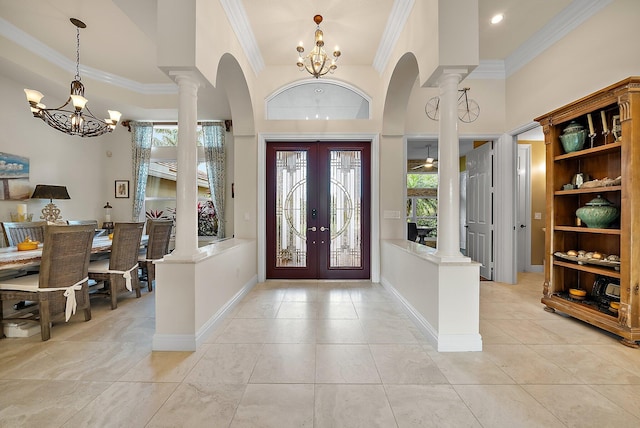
[141, 137]
[215, 159]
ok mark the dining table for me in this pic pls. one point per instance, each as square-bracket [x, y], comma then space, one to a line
[12, 258]
[423, 232]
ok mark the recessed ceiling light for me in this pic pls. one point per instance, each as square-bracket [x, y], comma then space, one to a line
[497, 18]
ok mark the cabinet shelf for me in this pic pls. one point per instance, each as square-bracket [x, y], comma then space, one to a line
[589, 190]
[589, 268]
[598, 150]
[581, 229]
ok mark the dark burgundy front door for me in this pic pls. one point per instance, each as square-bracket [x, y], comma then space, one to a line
[318, 210]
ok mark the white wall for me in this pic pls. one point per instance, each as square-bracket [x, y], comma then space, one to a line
[600, 52]
[54, 158]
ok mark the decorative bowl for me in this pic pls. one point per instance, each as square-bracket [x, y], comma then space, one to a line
[577, 293]
[27, 244]
[573, 137]
[598, 213]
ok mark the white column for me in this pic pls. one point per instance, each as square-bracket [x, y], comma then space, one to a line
[186, 185]
[449, 170]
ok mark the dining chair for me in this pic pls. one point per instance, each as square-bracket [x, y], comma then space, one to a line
[94, 223]
[159, 232]
[16, 232]
[116, 271]
[412, 232]
[61, 286]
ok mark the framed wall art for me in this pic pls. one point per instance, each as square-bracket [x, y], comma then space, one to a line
[14, 177]
[122, 188]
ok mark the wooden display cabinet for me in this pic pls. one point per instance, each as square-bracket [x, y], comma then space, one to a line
[604, 157]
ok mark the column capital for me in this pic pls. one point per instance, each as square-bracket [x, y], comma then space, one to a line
[188, 76]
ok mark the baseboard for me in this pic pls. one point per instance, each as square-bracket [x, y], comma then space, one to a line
[421, 323]
[214, 322]
[174, 342]
[191, 342]
[442, 343]
[459, 343]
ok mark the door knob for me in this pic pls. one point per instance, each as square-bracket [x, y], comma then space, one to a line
[522, 226]
[322, 228]
[313, 229]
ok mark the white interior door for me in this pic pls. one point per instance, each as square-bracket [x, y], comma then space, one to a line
[524, 207]
[480, 208]
[463, 212]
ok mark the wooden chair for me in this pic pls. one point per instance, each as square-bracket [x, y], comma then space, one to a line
[61, 285]
[159, 232]
[116, 271]
[16, 232]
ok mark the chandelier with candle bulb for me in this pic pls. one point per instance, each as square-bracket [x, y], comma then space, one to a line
[317, 62]
[73, 117]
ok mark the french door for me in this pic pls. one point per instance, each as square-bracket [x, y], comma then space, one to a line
[318, 210]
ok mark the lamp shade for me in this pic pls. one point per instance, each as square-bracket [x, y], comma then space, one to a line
[46, 191]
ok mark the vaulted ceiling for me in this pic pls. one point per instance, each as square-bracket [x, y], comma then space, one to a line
[37, 41]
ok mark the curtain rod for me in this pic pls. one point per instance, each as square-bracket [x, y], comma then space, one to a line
[227, 123]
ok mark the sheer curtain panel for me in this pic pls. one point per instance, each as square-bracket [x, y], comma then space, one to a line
[141, 137]
[214, 150]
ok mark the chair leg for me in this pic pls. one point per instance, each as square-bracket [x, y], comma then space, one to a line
[45, 315]
[114, 294]
[87, 304]
[151, 275]
[135, 284]
[1, 318]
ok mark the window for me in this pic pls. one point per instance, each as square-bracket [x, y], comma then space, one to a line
[422, 200]
[160, 195]
[318, 100]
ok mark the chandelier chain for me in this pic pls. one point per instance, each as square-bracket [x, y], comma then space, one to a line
[77, 77]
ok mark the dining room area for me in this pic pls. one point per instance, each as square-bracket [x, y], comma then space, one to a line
[50, 271]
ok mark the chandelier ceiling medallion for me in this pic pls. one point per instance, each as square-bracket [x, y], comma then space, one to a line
[317, 62]
[74, 119]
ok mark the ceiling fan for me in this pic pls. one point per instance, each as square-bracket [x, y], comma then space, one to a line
[429, 162]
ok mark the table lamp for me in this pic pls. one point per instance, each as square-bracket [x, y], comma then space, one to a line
[50, 212]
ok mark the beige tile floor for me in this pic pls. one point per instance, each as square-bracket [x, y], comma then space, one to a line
[323, 354]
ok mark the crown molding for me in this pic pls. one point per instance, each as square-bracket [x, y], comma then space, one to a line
[34, 45]
[239, 21]
[558, 27]
[488, 69]
[398, 17]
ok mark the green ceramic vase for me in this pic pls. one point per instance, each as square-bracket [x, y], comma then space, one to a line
[598, 213]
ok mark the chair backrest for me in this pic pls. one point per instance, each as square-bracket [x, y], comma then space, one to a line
[412, 232]
[16, 232]
[125, 246]
[94, 223]
[159, 232]
[65, 255]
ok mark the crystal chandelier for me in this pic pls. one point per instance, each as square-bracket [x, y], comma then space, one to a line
[317, 62]
[74, 119]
